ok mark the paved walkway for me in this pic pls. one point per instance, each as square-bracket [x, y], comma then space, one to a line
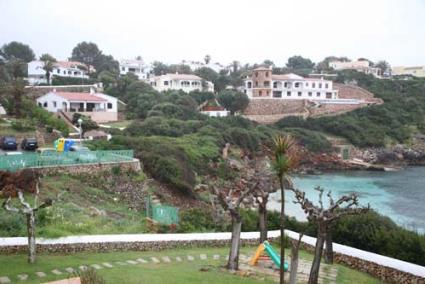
[265, 269]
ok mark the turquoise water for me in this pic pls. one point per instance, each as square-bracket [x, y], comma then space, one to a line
[399, 195]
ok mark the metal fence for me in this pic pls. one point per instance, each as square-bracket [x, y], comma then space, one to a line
[162, 213]
[31, 160]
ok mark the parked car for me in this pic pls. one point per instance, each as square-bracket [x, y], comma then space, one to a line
[8, 143]
[29, 144]
[84, 154]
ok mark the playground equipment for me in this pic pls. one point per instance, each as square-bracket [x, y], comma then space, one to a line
[268, 249]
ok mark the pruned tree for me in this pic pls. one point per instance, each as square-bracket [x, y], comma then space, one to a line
[295, 247]
[231, 194]
[285, 159]
[324, 217]
[15, 186]
[266, 185]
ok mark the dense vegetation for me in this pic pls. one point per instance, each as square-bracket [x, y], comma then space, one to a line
[402, 114]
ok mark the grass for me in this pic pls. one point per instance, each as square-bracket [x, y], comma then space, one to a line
[174, 272]
[83, 209]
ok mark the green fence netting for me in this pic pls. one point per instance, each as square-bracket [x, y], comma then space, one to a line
[32, 160]
[163, 214]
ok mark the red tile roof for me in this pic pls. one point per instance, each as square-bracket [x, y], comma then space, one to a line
[80, 97]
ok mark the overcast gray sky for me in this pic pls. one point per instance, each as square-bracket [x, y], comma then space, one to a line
[248, 31]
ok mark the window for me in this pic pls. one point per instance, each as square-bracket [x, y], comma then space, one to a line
[275, 85]
[249, 85]
[39, 104]
[58, 71]
[268, 93]
[297, 84]
[64, 72]
[76, 73]
[185, 84]
[288, 94]
[132, 70]
[314, 85]
[310, 94]
[318, 94]
[69, 72]
[256, 83]
[122, 68]
[109, 105]
[267, 74]
[256, 74]
[320, 85]
[45, 104]
[266, 84]
[277, 94]
[165, 83]
[300, 94]
[326, 85]
[329, 95]
[285, 84]
[195, 83]
[260, 93]
[306, 84]
[54, 104]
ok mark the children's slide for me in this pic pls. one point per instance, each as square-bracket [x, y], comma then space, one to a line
[268, 249]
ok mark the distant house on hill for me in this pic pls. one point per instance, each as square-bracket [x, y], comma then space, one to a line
[213, 109]
[184, 82]
[359, 65]
[98, 106]
[415, 71]
[262, 84]
[68, 69]
[2, 110]
[136, 66]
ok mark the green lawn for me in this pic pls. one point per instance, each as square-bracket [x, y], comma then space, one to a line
[174, 272]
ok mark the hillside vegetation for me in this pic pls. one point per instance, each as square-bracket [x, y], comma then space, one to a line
[401, 115]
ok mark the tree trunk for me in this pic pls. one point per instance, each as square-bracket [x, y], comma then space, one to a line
[282, 232]
[31, 237]
[262, 215]
[233, 263]
[314, 272]
[329, 252]
[294, 263]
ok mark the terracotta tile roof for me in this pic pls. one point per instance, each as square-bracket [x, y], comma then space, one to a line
[80, 97]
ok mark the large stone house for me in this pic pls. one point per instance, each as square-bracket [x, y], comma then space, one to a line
[262, 84]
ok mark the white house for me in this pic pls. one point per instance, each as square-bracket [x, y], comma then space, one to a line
[213, 109]
[98, 106]
[2, 110]
[137, 67]
[195, 65]
[359, 65]
[264, 85]
[69, 69]
[185, 82]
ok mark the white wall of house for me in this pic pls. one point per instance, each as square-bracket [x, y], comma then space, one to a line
[103, 111]
[37, 75]
[137, 67]
[296, 89]
[216, 113]
[165, 82]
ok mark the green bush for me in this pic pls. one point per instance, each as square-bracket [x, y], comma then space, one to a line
[196, 220]
[243, 138]
[312, 140]
[23, 125]
[12, 224]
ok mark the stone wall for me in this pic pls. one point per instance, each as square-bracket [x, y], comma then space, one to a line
[122, 246]
[384, 273]
[90, 168]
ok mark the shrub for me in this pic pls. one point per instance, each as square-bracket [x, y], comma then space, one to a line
[242, 138]
[196, 220]
[23, 125]
[90, 276]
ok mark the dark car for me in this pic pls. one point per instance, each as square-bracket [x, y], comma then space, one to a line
[29, 144]
[8, 143]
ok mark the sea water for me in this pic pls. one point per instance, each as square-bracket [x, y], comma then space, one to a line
[399, 195]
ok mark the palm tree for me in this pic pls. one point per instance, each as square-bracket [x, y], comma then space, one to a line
[284, 161]
[48, 65]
